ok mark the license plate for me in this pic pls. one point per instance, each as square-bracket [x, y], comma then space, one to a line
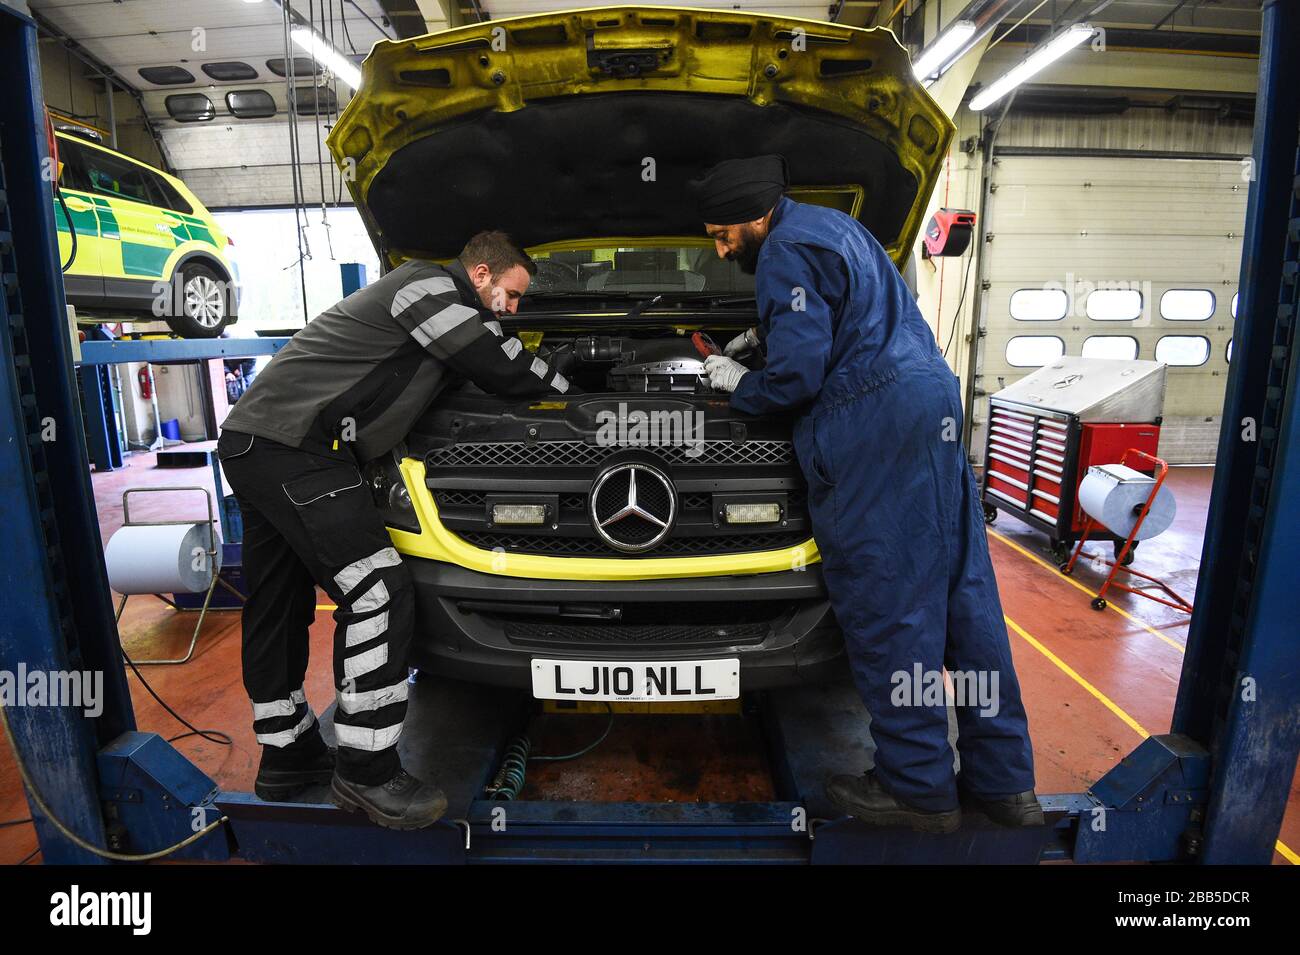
[638, 682]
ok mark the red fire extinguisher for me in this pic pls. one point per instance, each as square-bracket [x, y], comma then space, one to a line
[146, 382]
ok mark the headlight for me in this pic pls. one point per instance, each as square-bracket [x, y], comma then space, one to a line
[390, 494]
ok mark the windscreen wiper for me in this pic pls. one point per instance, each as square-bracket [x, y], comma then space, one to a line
[712, 299]
[551, 294]
[641, 306]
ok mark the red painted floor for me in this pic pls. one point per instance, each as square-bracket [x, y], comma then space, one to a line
[1093, 683]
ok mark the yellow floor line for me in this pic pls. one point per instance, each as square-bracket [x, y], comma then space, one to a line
[1074, 583]
[327, 607]
[1285, 850]
[1105, 700]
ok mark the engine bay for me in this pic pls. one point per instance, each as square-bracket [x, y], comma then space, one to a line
[655, 364]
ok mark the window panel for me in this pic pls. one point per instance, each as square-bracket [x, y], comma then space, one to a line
[190, 108]
[1039, 304]
[1187, 305]
[250, 104]
[166, 75]
[1185, 350]
[1114, 305]
[229, 71]
[1033, 351]
[1124, 347]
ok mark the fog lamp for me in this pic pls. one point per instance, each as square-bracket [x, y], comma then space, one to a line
[526, 514]
[753, 513]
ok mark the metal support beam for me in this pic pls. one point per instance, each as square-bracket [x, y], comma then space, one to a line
[48, 626]
[177, 349]
[1238, 690]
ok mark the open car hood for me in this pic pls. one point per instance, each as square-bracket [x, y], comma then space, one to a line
[587, 124]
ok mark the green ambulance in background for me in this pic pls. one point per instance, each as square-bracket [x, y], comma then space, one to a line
[145, 248]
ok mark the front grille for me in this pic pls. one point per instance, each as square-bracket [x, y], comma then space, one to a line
[672, 547]
[680, 634]
[458, 498]
[575, 454]
[693, 501]
[463, 476]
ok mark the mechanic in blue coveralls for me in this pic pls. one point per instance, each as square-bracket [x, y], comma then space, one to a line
[893, 502]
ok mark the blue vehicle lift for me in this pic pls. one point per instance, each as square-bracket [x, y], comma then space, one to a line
[1213, 789]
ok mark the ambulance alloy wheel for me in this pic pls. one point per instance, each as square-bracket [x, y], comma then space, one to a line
[203, 304]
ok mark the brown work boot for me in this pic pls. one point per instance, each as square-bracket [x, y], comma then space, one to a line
[401, 803]
[863, 798]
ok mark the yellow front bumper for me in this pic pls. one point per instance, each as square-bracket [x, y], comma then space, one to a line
[435, 542]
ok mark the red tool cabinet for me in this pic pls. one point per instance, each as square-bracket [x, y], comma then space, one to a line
[1047, 429]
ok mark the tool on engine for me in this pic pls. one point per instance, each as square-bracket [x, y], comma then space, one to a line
[705, 345]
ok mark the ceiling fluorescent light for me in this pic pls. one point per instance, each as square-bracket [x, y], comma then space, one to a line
[342, 68]
[1046, 54]
[939, 55]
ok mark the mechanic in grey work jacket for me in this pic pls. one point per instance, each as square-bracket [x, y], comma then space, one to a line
[344, 390]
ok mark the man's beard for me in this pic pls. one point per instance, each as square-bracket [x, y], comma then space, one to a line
[746, 257]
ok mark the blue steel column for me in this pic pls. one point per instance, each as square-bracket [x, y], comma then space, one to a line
[41, 615]
[93, 642]
[1240, 687]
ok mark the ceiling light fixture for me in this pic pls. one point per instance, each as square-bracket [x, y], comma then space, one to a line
[1045, 55]
[343, 69]
[936, 58]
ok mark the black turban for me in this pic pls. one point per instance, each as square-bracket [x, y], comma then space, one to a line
[740, 190]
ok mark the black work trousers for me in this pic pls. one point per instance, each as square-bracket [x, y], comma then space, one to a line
[309, 519]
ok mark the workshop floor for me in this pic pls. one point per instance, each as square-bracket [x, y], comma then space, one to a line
[1094, 683]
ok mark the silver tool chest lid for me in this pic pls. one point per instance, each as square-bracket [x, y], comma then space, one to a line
[1093, 389]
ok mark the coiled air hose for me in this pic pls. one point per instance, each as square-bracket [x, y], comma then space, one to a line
[509, 780]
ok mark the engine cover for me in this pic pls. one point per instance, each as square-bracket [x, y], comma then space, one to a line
[663, 365]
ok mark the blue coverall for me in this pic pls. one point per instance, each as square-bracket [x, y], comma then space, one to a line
[893, 502]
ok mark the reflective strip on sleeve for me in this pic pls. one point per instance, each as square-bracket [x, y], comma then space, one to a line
[265, 711]
[369, 629]
[539, 368]
[357, 571]
[372, 599]
[364, 663]
[365, 738]
[512, 347]
[494, 328]
[441, 323]
[350, 701]
[412, 292]
[285, 737]
[560, 384]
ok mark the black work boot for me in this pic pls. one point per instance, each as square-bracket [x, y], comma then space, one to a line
[401, 803]
[1021, 809]
[286, 773]
[863, 798]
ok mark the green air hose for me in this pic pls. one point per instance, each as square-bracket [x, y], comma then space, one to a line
[509, 780]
